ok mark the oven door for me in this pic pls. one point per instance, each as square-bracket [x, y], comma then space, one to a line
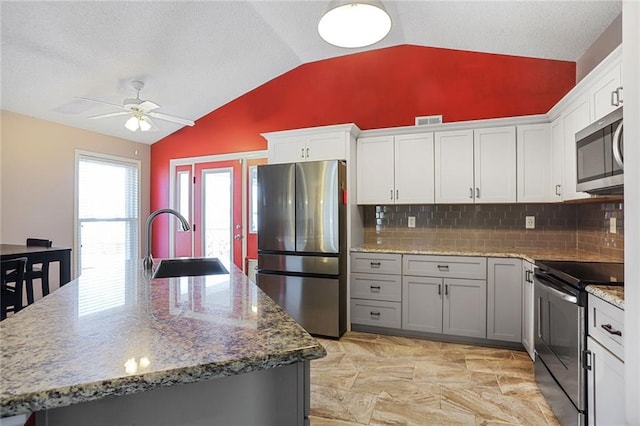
[559, 335]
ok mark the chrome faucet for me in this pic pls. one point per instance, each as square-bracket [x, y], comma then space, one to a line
[147, 262]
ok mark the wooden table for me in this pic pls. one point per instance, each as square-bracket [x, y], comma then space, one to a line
[40, 254]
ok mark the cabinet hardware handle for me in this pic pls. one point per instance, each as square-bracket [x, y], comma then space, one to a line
[619, 91]
[443, 267]
[439, 289]
[375, 264]
[375, 314]
[302, 153]
[477, 192]
[397, 194]
[539, 306]
[375, 288]
[558, 190]
[609, 329]
[446, 289]
[307, 152]
[615, 98]
[391, 195]
[587, 360]
[471, 193]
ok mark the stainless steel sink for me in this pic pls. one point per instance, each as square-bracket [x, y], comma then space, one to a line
[189, 267]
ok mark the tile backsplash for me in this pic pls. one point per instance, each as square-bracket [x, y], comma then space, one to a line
[567, 226]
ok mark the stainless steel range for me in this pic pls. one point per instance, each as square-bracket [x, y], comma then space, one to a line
[560, 331]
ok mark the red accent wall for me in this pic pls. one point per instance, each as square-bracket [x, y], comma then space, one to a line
[376, 89]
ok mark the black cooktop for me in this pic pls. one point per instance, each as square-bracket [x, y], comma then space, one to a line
[581, 274]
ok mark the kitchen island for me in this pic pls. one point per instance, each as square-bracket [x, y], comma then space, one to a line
[117, 347]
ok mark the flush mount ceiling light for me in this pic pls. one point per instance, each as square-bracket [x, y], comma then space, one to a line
[354, 24]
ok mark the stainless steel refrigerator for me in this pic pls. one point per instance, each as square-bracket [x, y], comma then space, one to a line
[302, 242]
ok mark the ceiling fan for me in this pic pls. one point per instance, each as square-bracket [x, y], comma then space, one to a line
[141, 112]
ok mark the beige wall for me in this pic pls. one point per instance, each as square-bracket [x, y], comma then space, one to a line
[37, 176]
[600, 49]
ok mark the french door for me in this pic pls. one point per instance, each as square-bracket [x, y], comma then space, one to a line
[210, 196]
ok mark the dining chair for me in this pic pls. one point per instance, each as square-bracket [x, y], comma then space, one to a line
[11, 285]
[37, 270]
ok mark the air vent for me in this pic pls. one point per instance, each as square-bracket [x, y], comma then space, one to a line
[428, 119]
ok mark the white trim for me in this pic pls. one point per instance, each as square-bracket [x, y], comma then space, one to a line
[108, 157]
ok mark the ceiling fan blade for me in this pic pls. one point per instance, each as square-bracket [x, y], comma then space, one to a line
[154, 126]
[147, 106]
[111, 114]
[171, 118]
[103, 103]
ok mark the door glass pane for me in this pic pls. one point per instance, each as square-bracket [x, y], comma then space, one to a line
[253, 199]
[183, 195]
[217, 214]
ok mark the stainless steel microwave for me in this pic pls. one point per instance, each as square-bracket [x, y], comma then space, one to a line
[600, 150]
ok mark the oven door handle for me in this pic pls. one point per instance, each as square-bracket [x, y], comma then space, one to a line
[548, 284]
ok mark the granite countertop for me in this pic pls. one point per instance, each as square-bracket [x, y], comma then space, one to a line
[114, 331]
[529, 254]
[608, 293]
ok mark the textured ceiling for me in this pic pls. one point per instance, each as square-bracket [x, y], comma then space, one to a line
[196, 56]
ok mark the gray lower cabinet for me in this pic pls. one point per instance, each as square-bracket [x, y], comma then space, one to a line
[443, 303]
[504, 299]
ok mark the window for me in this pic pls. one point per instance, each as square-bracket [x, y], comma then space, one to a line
[253, 199]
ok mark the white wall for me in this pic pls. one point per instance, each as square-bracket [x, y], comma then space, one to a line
[37, 177]
[631, 75]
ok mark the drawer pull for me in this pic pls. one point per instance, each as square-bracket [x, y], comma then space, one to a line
[609, 329]
[443, 267]
[375, 264]
[375, 288]
[375, 315]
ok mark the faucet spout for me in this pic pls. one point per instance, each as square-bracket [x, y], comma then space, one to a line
[147, 262]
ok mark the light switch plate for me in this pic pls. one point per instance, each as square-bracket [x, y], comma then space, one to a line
[612, 225]
[530, 222]
[411, 221]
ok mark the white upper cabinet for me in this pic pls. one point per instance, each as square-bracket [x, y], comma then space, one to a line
[454, 167]
[575, 118]
[535, 165]
[395, 169]
[606, 92]
[557, 158]
[313, 144]
[476, 166]
[495, 165]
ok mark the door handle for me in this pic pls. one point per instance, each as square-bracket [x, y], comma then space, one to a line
[609, 329]
[619, 91]
[587, 360]
[477, 192]
[617, 151]
[446, 289]
[615, 98]
[558, 190]
[439, 289]
[397, 194]
[237, 237]
[302, 153]
[391, 195]
[307, 152]
[471, 193]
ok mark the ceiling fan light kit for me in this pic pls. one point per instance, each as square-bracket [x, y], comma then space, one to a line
[141, 111]
[353, 24]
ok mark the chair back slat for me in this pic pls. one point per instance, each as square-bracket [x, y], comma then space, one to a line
[38, 242]
[11, 272]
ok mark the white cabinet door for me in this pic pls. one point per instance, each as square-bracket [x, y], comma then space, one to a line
[414, 175]
[575, 118]
[422, 304]
[557, 154]
[504, 299]
[330, 146]
[534, 165]
[465, 307]
[602, 90]
[605, 386]
[527, 308]
[454, 167]
[375, 170]
[495, 165]
[287, 150]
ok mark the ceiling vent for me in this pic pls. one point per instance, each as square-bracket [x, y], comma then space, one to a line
[428, 119]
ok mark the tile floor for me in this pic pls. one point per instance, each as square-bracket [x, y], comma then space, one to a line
[370, 379]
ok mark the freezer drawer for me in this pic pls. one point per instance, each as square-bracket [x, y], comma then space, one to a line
[312, 302]
[324, 265]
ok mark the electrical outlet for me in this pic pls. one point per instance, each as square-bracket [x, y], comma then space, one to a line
[530, 222]
[411, 221]
[612, 225]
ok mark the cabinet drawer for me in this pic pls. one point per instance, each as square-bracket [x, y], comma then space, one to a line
[445, 266]
[376, 313]
[376, 263]
[376, 287]
[606, 321]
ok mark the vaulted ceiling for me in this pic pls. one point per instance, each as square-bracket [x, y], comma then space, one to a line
[197, 56]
